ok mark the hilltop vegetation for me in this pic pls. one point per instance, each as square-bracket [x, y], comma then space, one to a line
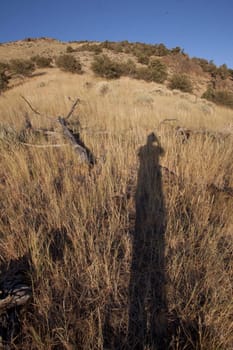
[111, 60]
[77, 230]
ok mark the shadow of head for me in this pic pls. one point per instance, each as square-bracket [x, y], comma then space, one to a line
[151, 138]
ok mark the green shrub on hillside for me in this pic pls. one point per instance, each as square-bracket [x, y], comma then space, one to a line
[3, 66]
[143, 59]
[180, 82]
[158, 71]
[69, 63]
[143, 73]
[106, 68]
[223, 72]
[70, 49]
[3, 81]
[220, 97]
[230, 73]
[207, 66]
[23, 67]
[128, 68]
[115, 46]
[161, 50]
[176, 50]
[42, 62]
[136, 49]
[97, 49]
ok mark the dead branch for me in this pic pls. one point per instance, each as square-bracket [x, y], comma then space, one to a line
[84, 153]
[44, 146]
[33, 109]
[45, 132]
[168, 120]
[185, 134]
[72, 109]
[29, 104]
[74, 139]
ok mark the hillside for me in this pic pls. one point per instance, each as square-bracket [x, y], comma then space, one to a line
[131, 247]
[201, 72]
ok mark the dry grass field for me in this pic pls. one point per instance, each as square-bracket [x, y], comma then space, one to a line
[135, 252]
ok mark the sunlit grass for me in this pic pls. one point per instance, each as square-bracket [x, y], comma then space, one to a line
[48, 195]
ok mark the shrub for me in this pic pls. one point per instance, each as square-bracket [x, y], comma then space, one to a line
[157, 70]
[143, 59]
[143, 73]
[3, 66]
[3, 81]
[161, 50]
[42, 62]
[114, 46]
[176, 50]
[70, 49]
[97, 49]
[104, 67]
[24, 67]
[107, 68]
[230, 73]
[223, 72]
[181, 82]
[207, 66]
[136, 49]
[69, 63]
[220, 97]
[209, 94]
[128, 69]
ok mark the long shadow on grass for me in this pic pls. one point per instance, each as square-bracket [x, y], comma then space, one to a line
[147, 304]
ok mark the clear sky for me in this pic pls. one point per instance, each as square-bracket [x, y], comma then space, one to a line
[203, 28]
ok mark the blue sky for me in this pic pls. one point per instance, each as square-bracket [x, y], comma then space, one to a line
[203, 28]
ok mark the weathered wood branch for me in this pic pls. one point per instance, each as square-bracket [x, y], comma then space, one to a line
[79, 147]
[33, 109]
[29, 104]
[167, 120]
[72, 109]
[44, 146]
[186, 134]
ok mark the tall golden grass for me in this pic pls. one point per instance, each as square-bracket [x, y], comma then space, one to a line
[78, 224]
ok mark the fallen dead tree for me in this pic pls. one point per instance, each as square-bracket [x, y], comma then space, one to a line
[74, 139]
[78, 145]
[186, 134]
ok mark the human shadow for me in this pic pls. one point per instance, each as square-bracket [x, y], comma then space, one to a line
[147, 297]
